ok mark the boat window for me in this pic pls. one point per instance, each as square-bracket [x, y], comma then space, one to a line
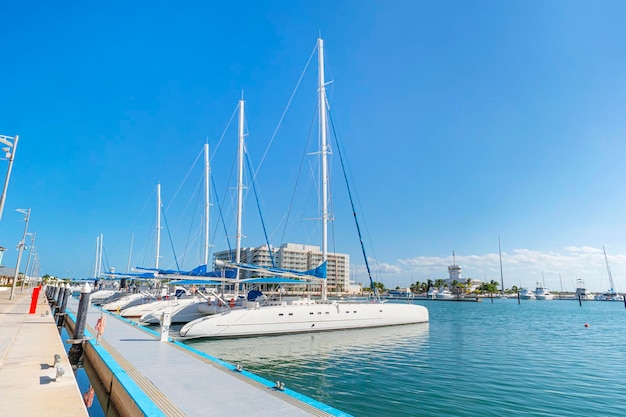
[280, 314]
[291, 314]
[327, 312]
[311, 313]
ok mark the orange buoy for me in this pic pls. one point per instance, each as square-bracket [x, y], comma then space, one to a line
[232, 302]
[586, 325]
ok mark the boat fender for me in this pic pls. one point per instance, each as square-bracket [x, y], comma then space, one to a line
[232, 303]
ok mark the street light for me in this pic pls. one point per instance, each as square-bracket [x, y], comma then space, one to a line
[9, 154]
[31, 250]
[26, 213]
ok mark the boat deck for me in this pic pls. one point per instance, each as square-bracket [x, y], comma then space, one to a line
[179, 380]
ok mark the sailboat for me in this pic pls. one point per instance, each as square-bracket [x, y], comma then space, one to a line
[502, 294]
[262, 316]
[611, 294]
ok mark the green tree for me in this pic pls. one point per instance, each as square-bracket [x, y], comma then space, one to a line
[456, 286]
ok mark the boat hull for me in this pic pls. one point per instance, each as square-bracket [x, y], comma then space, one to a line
[184, 312]
[313, 317]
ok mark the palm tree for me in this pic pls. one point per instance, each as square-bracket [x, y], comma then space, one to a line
[455, 286]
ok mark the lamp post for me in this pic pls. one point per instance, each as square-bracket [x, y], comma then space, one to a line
[31, 250]
[26, 213]
[10, 154]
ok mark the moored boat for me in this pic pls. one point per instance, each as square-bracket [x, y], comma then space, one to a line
[527, 294]
[542, 293]
[262, 316]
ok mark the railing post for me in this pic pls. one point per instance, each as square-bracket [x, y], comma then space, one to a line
[81, 314]
[63, 305]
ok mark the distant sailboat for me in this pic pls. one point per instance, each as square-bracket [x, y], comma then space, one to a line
[502, 294]
[611, 294]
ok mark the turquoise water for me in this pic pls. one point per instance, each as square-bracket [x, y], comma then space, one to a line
[495, 358]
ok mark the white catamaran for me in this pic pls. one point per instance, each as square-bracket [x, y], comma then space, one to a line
[262, 316]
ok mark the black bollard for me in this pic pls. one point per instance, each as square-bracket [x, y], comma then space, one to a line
[81, 314]
[580, 302]
[59, 298]
[518, 298]
[55, 294]
[62, 306]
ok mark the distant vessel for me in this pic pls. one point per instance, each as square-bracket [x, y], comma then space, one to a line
[611, 294]
[527, 294]
[502, 294]
[400, 293]
[542, 293]
[582, 293]
[444, 294]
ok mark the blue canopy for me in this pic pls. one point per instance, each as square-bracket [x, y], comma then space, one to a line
[195, 282]
[199, 271]
[276, 280]
[119, 275]
[318, 272]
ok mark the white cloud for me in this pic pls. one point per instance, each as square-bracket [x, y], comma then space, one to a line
[520, 267]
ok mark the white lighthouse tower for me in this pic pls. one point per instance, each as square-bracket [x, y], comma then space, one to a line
[454, 270]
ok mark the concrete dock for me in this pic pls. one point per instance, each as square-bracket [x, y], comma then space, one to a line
[28, 374]
[146, 376]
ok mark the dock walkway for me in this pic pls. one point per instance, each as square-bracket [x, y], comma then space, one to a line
[180, 380]
[28, 344]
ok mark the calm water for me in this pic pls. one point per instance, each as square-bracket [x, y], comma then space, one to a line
[487, 359]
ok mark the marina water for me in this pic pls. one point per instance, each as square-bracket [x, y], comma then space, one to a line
[497, 358]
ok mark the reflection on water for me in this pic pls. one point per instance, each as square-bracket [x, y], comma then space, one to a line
[294, 348]
[490, 359]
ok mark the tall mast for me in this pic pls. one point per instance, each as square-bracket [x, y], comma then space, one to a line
[608, 269]
[130, 252]
[100, 255]
[324, 151]
[501, 274]
[158, 228]
[239, 192]
[95, 264]
[207, 171]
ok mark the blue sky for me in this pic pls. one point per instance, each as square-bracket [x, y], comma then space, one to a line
[460, 122]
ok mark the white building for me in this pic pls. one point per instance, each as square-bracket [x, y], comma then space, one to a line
[297, 257]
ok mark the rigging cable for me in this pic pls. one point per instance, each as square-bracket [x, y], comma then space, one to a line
[219, 206]
[285, 111]
[248, 164]
[356, 222]
[170, 236]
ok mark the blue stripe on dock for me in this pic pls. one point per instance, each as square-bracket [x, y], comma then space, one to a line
[143, 402]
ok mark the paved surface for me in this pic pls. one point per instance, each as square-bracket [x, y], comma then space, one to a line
[183, 382]
[28, 343]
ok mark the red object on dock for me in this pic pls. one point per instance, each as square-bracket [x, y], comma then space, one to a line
[33, 301]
